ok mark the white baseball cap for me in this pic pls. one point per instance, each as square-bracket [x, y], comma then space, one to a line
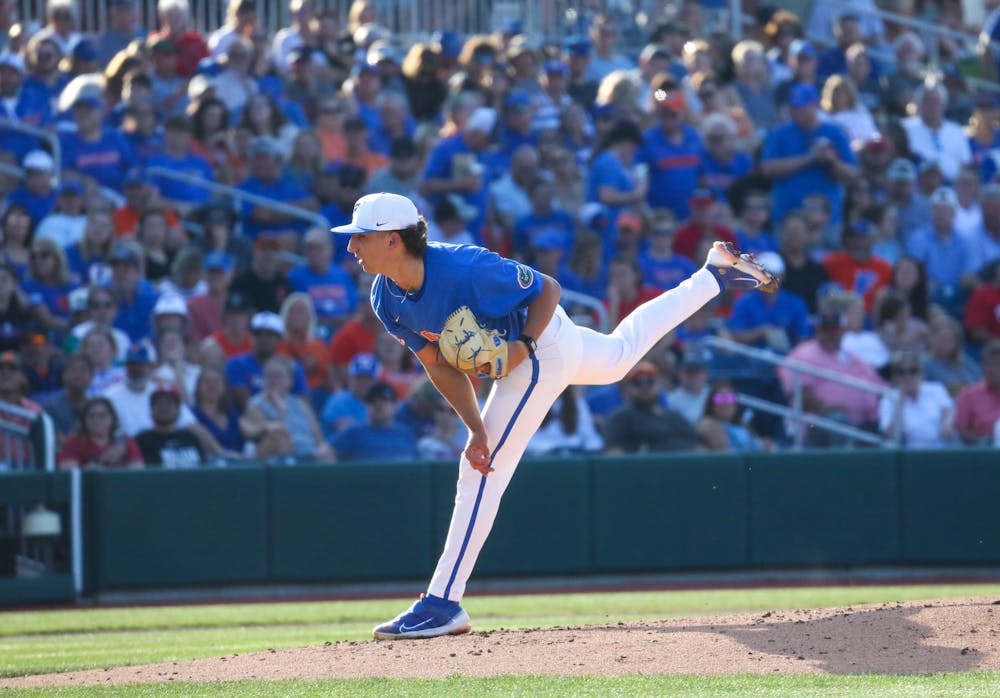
[38, 160]
[382, 211]
[271, 322]
[170, 304]
[482, 119]
[944, 196]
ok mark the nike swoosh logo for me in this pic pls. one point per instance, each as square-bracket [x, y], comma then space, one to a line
[404, 629]
[379, 225]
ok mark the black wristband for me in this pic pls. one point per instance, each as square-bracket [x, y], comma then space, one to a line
[528, 342]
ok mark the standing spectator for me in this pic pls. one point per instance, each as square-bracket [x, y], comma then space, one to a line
[672, 151]
[97, 442]
[806, 156]
[136, 296]
[982, 313]
[928, 412]
[947, 361]
[381, 437]
[642, 425]
[166, 443]
[66, 406]
[176, 25]
[978, 405]
[932, 137]
[282, 424]
[205, 310]
[856, 269]
[720, 427]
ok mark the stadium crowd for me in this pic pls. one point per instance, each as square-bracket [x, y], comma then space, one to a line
[161, 324]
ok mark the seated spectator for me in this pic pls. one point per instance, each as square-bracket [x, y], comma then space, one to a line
[446, 439]
[720, 427]
[928, 412]
[642, 425]
[357, 152]
[48, 286]
[752, 235]
[611, 178]
[235, 84]
[233, 338]
[543, 217]
[98, 346]
[166, 443]
[856, 269]
[982, 313]
[65, 223]
[984, 244]
[753, 85]
[89, 259]
[661, 268]
[266, 179]
[346, 407]
[36, 193]
[264, 285]
[690, 395]
[29, 104]
[171, 351]
[825, 397]
[131, 397]
[356, 336]
[509, 196]
[169, 87]
[330, 289]
[777, 320]
[933, 137]
[245, 372]
[844, 108]
[97, 442]
[178, 156]
[568, 428]
[136, 296]
[14, 310]
[205, 310]
[65, 405]
[448, 225]
[17, 230]
[701, 228]
[94, 152]
[947, 362]
[380, 438]
[280, 423]
[402, 174]
[214, 410]
[418, 411]
[723, 164]
[140, 196]
[626, 289]
[978, 405]
[400, 368]
[301, 345]
[101, 311]
[42, 364]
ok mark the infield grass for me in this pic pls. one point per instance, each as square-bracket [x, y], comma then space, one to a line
[47, 641]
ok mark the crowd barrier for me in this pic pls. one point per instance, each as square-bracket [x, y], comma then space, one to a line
[154, 529]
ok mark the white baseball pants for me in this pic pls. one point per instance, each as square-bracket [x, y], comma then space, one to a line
[566, 355]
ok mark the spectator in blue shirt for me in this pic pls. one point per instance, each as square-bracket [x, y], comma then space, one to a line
[777, 321]
[94, 151]
[751, 230]
[346, 407]
[722, 164]
[266, 180]
[805, 156]
[48, 285]
[381, 438]
[139, 125]
[36, 193]
[136, 295]
[543, 217]
[611, 178]
[178, 157]
[673, 151]
[661, 268]
[245, 372]
[518, 118]
[330, 288]
[20, 104]
[939, 248]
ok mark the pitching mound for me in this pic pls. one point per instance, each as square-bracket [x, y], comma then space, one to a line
[906, 638]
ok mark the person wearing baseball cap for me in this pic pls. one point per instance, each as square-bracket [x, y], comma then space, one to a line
[466, 312]
[642, 423]
[673, 149]
[36, 193]
[806, 156]
[346, 406]
[938, 246]
[166, 443]
[245, 372]
[380, 437]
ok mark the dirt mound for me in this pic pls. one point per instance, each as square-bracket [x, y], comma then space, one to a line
[905, 638]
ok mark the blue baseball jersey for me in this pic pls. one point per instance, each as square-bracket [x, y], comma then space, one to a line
[497, 291]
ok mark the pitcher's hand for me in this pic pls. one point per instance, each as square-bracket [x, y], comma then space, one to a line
[477, 452]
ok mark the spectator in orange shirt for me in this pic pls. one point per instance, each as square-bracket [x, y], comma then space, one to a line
[140, 196]
[233, 338]
[855, 268]
[701, 226]
[300, 343]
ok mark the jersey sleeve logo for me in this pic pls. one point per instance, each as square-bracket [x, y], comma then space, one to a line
[524, 276]
[430, 336]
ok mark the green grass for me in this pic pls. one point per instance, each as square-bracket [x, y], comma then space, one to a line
[966, 685]
[47, 641]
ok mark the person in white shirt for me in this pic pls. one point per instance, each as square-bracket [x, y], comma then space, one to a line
[65, 225]
[840, 101]
[131, 398]
[931, 136]
[296, 34]
[568, 428]
[968, 213]
[928, 413]
[241, 20]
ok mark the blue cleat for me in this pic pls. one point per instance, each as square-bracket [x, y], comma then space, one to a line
[429, 616]
[738, 272]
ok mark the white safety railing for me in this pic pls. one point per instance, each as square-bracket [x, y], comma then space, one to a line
[795, 415]
[48, 136]
[594, 305]
[237, 195]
